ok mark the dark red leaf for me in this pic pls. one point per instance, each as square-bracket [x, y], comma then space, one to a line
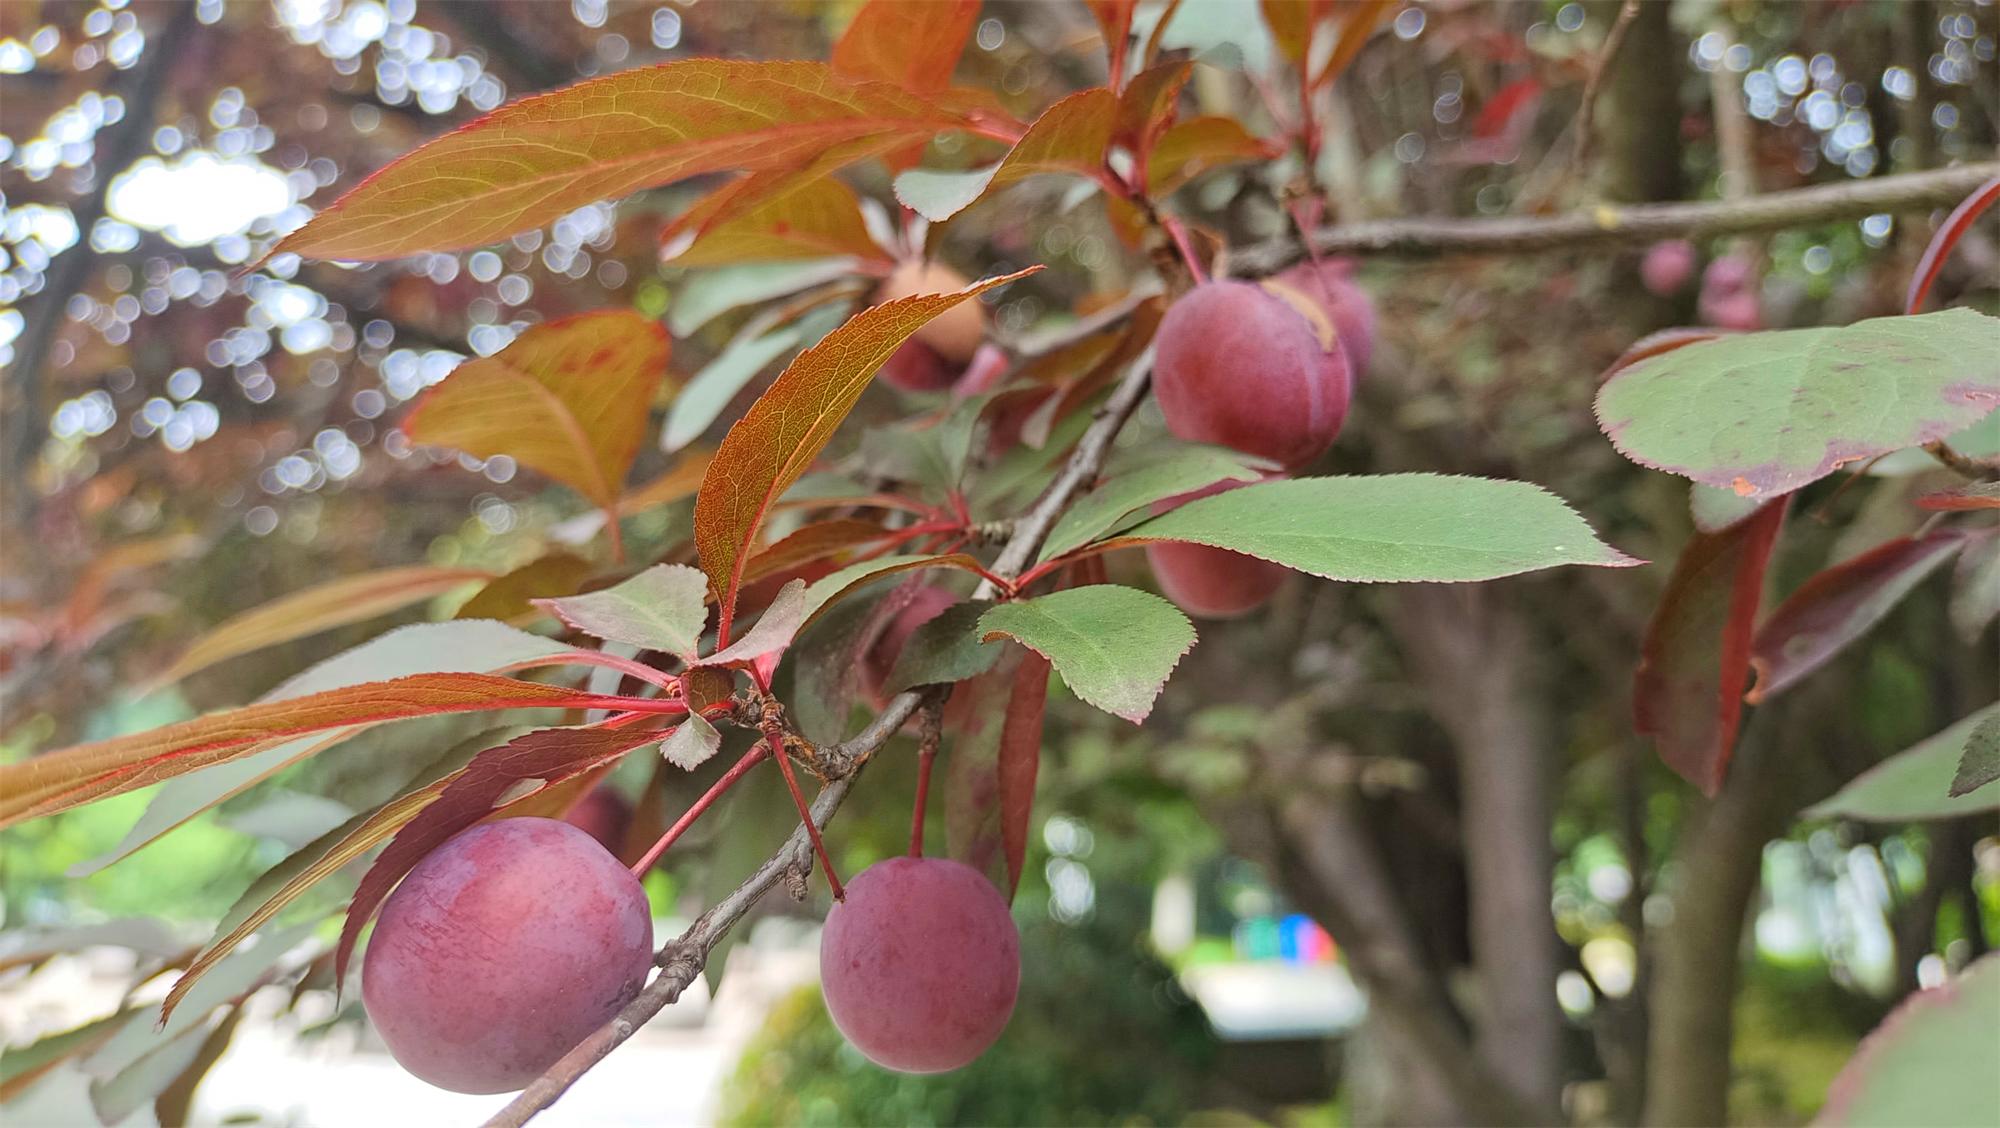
[1688, 692]
[1839, 605]
[1954, 228]
[1020, 759]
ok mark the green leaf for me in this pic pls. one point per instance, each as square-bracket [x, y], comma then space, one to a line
[1391, 528]
[1114, 504]
[691, 743]
[1979, 764]
[946, 649]
[1929, 1063]
[1767, 413]
[661, 608]
[707, 294]
[116, 1097]
[705, 397]
[1917, 783]
[1114, 646]
[774, 630]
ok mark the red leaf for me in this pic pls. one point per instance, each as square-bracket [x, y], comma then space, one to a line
[1688, 692]
[1954, 228]
[1020, 758]
[1496, 115]
[73, 776]
[532, 161]
[1653, 344]
[1839, 605]
[812, 542]
[1070, 137]
[914, 46]
[784, 431]
[478, 792]
[996, 719]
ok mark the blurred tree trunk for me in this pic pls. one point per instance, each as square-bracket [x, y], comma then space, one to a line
[1642, 118]
[1474, 659]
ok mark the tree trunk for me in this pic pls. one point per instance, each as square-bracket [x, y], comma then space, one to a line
[1474, 659]
[1642, 138]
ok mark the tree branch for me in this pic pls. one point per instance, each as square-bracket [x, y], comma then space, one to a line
[1638, 223]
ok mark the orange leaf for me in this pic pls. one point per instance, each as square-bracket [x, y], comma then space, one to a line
[1357, 24]
[72, 776]
[351, 599]
[914, 46]
[1189, 148]
[1292, 24]
[772, 216]
[783, 432]
[486, 785]
[682, 480]
[532, 161]
[568, 398]
[1147, 107]
[1070, 136]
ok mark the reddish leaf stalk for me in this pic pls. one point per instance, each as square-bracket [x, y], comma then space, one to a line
[736, 771]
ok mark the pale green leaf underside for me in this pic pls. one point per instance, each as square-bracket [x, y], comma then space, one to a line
[661, 608]
[1391, 528]
[1915, 783]
[1929, 1063]
[1766, 413]
[692, 741]
[1114, 646]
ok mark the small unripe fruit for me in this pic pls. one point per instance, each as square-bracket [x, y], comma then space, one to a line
[604, 815]
[1329, 284]
[1667, 267]
[1239, 366]
[879, 662]
[1211, 583]
[502, 950]
[954, 334]
[920, 964]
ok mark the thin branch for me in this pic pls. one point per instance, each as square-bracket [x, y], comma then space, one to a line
[1639, 223]
[1585, 111]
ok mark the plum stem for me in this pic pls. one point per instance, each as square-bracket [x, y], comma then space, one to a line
[736, 771]
[927, 750]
